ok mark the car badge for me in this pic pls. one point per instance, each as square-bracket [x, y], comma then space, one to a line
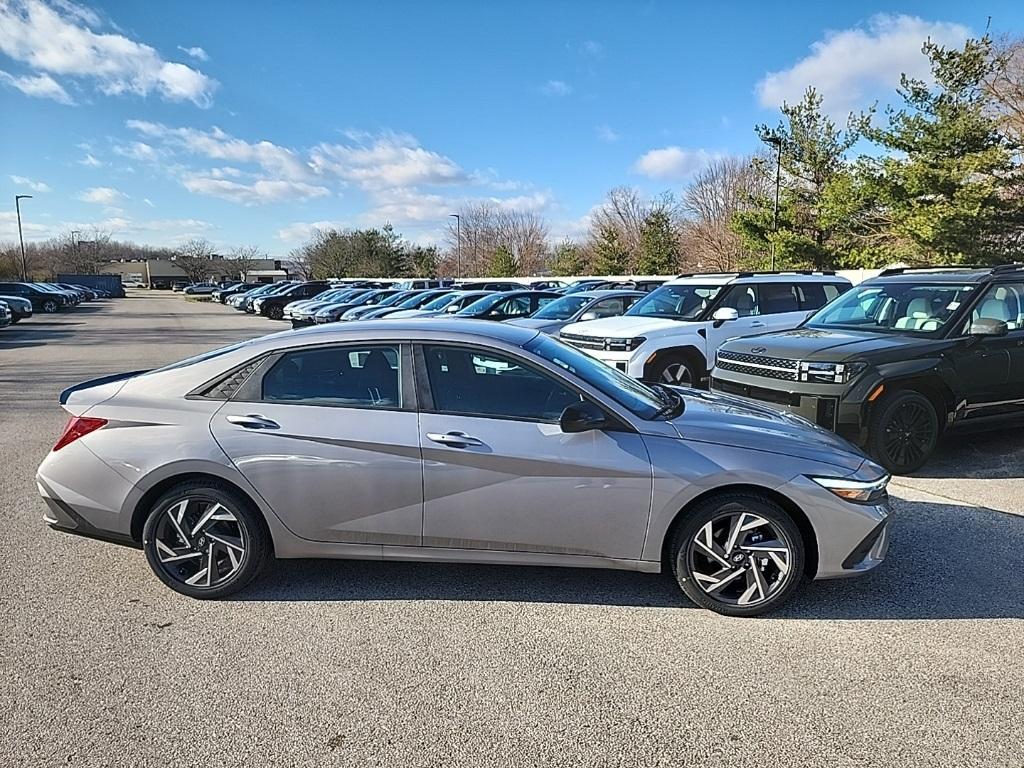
[759, 350]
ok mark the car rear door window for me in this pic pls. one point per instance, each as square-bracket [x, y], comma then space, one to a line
[362, 376]
[777, 298]
[817, 295]
[473, 382]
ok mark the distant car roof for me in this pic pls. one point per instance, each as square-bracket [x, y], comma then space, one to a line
[603, 292]
[932, 276]
[726, 278]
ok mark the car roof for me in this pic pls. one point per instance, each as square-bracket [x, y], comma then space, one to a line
[727, 278]
[604, 292]
[430, 329]
[939, 275]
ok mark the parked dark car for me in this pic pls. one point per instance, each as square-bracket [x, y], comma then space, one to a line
[222, 294]
[43, 300]
[417, 300]
[332, 312]
[490, 285]
[273, 305]
[896, 361]
[19, 306]
[246, 299]
[504, 306]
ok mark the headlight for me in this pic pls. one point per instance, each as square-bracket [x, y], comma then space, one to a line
[830, 373]
[857, 491]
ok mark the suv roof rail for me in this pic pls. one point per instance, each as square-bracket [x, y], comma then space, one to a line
[936, 268]
[754, 273]
[1017, 266]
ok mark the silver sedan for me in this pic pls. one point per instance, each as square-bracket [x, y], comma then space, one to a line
[456, 440]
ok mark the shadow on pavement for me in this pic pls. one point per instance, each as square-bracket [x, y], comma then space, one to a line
[979, 453]
[945, 562]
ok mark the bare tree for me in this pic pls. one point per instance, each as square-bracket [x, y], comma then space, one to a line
[244, 258]
[485, 229]
[715, 195]
[195, 259]
[1005, 86]
[523, 234]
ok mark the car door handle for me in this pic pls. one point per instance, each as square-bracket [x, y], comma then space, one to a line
[757, 324]
[454, 439]
[253, 421]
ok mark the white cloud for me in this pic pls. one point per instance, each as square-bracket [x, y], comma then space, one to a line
[57, 40]
[853, 66]
[29, 228]
[137, 150]
[556, 88]
[148, 202]
[607, 134]
[35, 186]
[89, 161]
[387, 160]
[261, 191]
[301, 230]
[195, 52]
[40, 86]
[672, 163]
[100, 195]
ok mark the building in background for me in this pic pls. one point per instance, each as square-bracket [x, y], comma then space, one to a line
[160, 273]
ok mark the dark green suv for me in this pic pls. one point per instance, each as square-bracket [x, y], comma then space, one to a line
[896, 361]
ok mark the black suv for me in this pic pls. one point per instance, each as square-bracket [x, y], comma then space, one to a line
[895, 361]
[273, 305]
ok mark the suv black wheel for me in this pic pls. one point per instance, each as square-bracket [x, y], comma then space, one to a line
[275, 312]
[903, 431]
[50, 306]
[676, 369]
[204, 540]
[738, 554]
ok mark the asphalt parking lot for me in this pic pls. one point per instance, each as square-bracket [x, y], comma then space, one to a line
[356, 663]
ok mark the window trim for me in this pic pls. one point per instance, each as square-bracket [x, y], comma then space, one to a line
[427, 405]
[252, 390]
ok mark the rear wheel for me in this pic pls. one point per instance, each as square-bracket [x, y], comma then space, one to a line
[677, 370]
[738, 554]
[204, 540]
[50, 306]
[903, 431]
[275, 312]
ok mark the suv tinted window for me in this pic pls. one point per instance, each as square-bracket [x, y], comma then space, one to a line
[776, 298]
[361, 376]
[817, 295]
[469, 381]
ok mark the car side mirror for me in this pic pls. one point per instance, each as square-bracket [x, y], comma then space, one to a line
[591, 315]
[986, 326]
[724, 315]
[583, 417]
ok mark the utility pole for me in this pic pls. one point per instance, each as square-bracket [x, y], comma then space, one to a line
[776, 141]
[458, 244]
[21, 237]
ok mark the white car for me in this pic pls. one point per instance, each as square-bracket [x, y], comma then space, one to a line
[672, 334]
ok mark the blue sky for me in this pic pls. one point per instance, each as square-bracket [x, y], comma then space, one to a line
[252, 122]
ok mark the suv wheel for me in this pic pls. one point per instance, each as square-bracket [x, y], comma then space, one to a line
[275, 312]
[204, 540]
[738, 554]
[903, 431]
[50, 306]
[677, 370]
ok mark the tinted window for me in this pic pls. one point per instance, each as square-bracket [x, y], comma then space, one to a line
[480, 383]
[776, 298]
[817, 295]
[563, 308]
[363, 376]
[610, 307]
[514, 306]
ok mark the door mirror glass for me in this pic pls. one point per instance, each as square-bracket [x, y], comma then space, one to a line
[591, 315]
[582, 417]
[725, 314]
[985, 326]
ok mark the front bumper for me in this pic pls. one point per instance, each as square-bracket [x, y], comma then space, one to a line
[629, 363]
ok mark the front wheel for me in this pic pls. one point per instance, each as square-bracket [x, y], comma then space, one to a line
[677, 370]
[903, 431]
[50, 306]
[275, 312]
[204, 540]
[738, 554]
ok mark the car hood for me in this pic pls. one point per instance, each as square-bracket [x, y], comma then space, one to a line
[826, 345]
[623, 327]
[725, 420]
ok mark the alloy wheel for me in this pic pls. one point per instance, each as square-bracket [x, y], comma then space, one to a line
[199, 543]
[909, 434]
[49, 306]
[677, 374]
[740, 559]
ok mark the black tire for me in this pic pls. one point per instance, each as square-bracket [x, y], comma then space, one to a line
[275, 312]
[15, 318]
[902, 431]
[218, 541]
[50, 306]
[676, 369]
[772, 586]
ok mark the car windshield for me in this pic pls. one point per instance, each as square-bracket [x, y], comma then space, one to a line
[582, 286]
[894, 307]
[628, 392]
[417, 301]
[682, 301]
[563, 308]
[440, 302]
[480, 306]
[394, 299]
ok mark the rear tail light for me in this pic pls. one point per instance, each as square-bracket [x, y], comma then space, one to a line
[78, 426]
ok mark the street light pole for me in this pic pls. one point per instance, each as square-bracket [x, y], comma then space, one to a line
[458, 244]
[21, 237]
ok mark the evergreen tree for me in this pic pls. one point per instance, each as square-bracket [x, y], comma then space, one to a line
[503, 263]
[659, 247]
[611, 257]
[568, 259]
[948, 188]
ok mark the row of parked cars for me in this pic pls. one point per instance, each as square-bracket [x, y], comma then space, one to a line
[21, 300]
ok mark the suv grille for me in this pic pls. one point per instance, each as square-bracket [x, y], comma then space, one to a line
[582, 342]
[758, 365]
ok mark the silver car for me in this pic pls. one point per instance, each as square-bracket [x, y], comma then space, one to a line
[460, 441]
